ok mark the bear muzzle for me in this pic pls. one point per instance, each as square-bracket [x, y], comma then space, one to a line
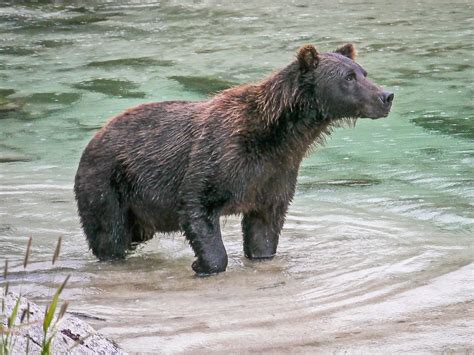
[387, 99]
[381, 106]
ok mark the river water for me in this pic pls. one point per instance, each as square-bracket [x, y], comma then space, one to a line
[377, 251]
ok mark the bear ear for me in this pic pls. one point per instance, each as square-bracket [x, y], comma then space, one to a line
[308, 57]
[348, 50]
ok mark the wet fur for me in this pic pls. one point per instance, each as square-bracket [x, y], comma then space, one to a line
[179, 166]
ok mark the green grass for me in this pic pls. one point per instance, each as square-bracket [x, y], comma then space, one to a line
[50, 322]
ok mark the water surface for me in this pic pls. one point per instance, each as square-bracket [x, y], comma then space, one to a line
[376, 253]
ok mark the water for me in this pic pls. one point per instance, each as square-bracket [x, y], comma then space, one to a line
[376, 254]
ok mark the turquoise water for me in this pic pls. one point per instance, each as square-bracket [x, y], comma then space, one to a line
[378, 242]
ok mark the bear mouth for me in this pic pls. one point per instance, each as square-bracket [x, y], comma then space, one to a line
[379, 116]
[385, 114]
[378, 113]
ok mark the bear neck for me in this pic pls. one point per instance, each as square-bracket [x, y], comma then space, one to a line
[291, 112]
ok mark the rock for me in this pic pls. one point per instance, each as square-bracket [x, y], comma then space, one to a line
[73, 335]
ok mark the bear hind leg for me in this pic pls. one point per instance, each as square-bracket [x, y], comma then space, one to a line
[105, 223]
[261, 231]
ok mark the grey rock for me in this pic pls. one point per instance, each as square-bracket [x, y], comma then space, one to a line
[72, 335]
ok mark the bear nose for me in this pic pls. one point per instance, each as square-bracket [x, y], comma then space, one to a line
[387, 97]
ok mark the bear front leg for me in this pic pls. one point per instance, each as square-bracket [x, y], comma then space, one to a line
[203, 233]
[261, 232]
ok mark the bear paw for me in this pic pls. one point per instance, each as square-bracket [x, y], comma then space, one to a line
[203, 268]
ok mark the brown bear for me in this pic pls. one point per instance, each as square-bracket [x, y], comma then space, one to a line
[180, 165]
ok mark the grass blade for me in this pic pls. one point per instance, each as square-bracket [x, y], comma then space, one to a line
[48, 317]
[5, 270]
[61, 288]
[12, 318]
[58, 249]
[23, 315]
[46, 349]
[49, 314]
[27, 254]
[63, 309]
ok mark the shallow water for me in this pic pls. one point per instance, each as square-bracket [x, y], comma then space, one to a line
[377, 251]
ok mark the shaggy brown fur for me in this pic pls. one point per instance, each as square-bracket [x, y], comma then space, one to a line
[179, 166]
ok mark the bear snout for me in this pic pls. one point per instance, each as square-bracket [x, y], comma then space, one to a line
[387, 97]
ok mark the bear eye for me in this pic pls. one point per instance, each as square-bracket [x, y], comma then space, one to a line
[351, 77]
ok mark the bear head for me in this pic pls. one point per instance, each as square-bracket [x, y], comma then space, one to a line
[340, 86]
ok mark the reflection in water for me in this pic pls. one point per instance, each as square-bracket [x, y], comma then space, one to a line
[376, 254]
